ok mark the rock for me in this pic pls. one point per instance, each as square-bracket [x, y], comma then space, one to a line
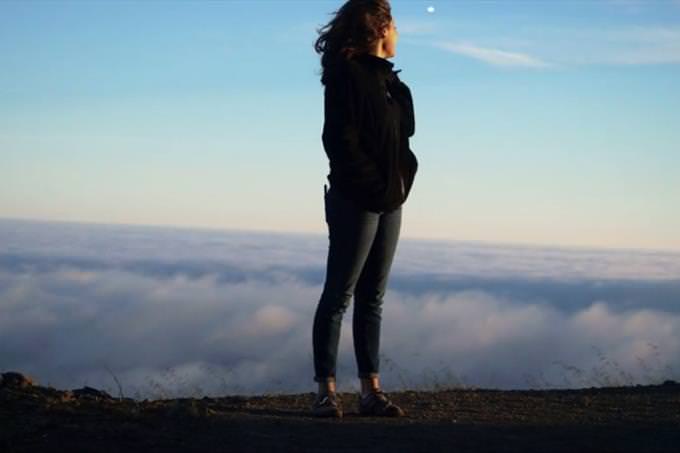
[15, 379]
[66, 396]
[89, 392]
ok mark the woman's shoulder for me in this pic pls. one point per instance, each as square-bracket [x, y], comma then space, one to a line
[345, 69]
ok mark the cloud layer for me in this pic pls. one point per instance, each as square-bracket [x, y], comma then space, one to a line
[201, 312]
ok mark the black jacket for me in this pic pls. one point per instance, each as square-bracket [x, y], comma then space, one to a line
[368, 120]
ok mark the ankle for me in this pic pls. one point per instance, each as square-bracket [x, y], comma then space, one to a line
[369, 385]
[326, 388]
[326, 392]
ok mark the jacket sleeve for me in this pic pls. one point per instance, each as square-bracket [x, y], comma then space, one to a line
[341, 136]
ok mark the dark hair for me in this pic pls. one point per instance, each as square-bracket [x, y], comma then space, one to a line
[357, 25]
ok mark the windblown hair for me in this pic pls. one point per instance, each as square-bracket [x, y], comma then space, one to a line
[355, 27]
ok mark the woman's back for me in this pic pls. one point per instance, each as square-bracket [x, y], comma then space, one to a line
[366, 109]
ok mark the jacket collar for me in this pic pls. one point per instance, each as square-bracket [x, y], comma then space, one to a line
[381, 64]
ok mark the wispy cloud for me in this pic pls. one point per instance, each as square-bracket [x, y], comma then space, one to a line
[555, 47]
[496, 57]
[639, 6]
[642, 45]
[629, 6]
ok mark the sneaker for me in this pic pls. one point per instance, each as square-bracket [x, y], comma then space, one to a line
[327, 406]
[377, 403]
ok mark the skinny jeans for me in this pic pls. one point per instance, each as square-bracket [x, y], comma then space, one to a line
[361, 248]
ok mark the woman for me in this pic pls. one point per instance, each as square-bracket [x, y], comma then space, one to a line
[368, 120]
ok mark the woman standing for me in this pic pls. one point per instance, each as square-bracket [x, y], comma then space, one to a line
[368, 120]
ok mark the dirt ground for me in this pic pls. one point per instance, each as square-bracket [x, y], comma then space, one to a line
[613, 419]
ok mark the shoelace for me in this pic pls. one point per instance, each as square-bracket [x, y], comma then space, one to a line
[331, 399]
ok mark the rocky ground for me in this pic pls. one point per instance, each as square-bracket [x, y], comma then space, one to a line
[613, 419]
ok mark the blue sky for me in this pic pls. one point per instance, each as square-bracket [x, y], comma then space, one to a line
[536, 122]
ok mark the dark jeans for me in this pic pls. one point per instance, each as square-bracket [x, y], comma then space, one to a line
[361, 247]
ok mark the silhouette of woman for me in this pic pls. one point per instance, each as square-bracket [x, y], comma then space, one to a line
[368, 119]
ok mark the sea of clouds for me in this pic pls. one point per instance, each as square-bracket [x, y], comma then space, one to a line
[155, 312]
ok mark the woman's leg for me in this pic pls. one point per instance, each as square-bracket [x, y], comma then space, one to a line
[368, 298]
[351, 233]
